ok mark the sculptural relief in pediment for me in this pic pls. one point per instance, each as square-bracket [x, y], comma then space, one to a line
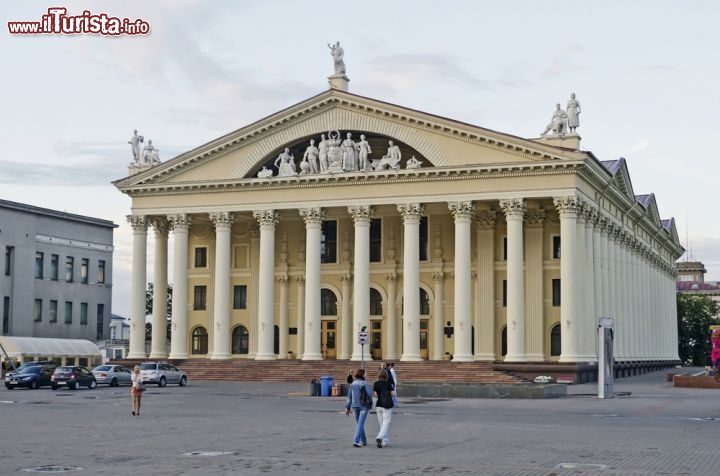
[337, 152]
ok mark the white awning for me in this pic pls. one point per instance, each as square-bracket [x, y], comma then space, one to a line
[19, 347]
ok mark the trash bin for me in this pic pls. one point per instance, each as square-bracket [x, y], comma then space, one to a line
[326, 382]
[314, 388]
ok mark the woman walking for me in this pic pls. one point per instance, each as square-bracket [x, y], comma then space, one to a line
[384, 391]
[359, 401]
[136, 390]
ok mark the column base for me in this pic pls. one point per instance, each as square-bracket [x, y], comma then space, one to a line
[485, 357]
[177, 356]
[158, 356]
[223, 356]
[136, 355]
[535, 358]
[515, 358]
[463, 358]
[358, 358]
[266, 357]
[577, 358]
[312, 357]
[410, 358]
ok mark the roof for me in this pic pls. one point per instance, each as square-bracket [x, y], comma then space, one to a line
[695, 286]
[18, 347]
[22, 207]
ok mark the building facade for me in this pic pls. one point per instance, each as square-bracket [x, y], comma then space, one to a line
[343, 213]
[57, 273]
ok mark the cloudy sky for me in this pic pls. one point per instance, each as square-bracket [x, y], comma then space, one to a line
[645, 73]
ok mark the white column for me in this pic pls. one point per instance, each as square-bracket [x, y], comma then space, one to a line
[568, 208]
[514, 211]
[534, 281]
[283, 318]
[347, 318]
[361, 216]
[179, 327]
[485, 332]
[266, 300]
[313, 222]
[139, 226]
[411, 214]
[462, 213]
[588, 323]
[598, 289]
[254, 231]
[158, 348]
[438, 349]
[605, 266]
[300, 337]
[221, 302]
[391, 337]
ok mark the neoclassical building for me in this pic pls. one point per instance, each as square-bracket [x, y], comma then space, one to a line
[434, 236]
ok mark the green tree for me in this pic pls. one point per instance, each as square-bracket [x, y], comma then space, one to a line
[149, 310]
[695, 315]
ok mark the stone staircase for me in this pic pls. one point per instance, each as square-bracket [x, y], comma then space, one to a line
[305, 371]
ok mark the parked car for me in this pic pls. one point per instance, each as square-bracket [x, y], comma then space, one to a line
[32, 377]
[162, 374]
[113, 375]
[73, 376]
[25, 365]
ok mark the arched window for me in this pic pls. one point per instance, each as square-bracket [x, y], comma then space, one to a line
[555, 347]
[375, 303]
[503, 342]
[240, 340]
[328, 303]
[199, 341]
[424, 303]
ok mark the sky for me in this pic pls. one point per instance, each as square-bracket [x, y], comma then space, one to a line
[645, 73]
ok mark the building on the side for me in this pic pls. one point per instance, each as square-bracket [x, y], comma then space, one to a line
[691, 280]
[57, 273]
[344, 213]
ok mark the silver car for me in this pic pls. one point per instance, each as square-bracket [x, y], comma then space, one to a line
[162, 374]
[113, 375]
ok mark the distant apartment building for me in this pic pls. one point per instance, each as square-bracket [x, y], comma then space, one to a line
[691, 280]
[57, 273]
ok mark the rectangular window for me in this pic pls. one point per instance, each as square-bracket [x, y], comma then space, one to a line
[240, 297]
[39, 262]
[504, 248]
[423, 245]
[83, 313]
[201, 257]
[6, 315]
[200, 302]
[68, 312]
[556, 247]
[69, 264]
[84, 265]
[556, 292]
[328, 242]
[375, 240]
[100, 328]
[38, 310]
[54, 265]
[504, 296]
[53, 311]
[101, 272]
[9, 254]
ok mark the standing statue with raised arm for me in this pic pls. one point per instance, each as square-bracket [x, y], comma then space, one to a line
[337, 53]
[573, 113]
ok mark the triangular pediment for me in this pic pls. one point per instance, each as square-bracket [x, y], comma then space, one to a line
[621, 177]
[433, 140]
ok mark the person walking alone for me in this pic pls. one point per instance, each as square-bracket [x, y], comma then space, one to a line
[384, 391]
[360, 405]
[136, 390]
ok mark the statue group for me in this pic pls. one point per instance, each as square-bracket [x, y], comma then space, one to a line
[564, 122]
[334, 155]
[149, 155]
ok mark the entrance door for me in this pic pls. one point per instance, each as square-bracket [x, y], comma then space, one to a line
[327, 339]
[424, 325]
[376, 340]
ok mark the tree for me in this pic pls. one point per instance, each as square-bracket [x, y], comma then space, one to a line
[149, 310]
[695, 316]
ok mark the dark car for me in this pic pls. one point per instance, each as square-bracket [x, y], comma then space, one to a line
[32, 377]
[25, 365]
[73, 376]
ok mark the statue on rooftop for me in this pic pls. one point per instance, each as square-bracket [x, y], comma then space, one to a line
[573, 113]
[337, 53]
[135, 142]
[559, 122]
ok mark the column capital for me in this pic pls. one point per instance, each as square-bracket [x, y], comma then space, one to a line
[534, 218]
[462, 211]
[266, 217]
[179, 221]
[391, 277]
[346, 278]
[301, 280]
[283, 280]
[411, 212]
[486, 219]
[568, 207]
[361, 214]
[138, 222]
[513, 208]
[222, 220]
[438, 277]
[312, 216]
[161, 226]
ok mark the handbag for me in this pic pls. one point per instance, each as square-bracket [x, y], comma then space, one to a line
[141, 387]
[365, 399]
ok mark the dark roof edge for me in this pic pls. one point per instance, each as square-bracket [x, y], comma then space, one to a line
[23, 207]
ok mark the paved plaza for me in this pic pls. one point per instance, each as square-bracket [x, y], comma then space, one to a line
[240, 428]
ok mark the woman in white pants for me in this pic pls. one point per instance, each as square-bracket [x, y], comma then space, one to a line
[384, 392]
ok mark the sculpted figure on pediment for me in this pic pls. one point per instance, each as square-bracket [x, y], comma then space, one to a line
[311, 158]
[335, 154]
[265, 173]
[323, 153]
[363, 152]
[413, 163]
[391, 160]
[349, 154]
[285, 164]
